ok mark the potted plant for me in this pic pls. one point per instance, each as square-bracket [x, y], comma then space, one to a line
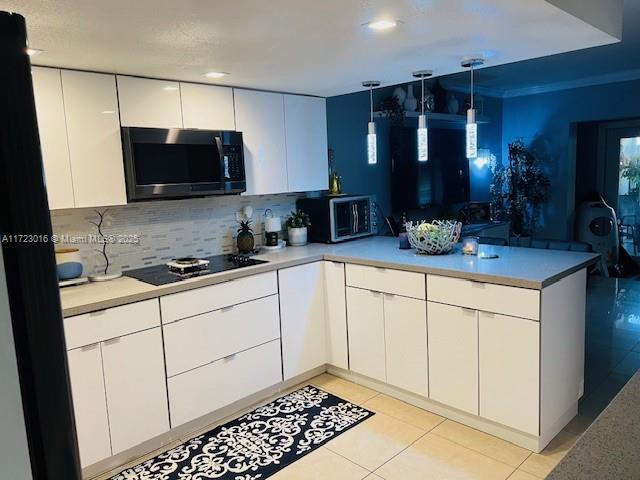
[245, 240]
[518, 190]
[297, 223]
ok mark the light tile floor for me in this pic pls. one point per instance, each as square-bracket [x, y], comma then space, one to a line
[403, 442]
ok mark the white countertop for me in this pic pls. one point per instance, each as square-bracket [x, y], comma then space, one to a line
[518, 267]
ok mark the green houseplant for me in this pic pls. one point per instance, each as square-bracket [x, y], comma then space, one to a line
[297, 223]
[519, 189]
[631, 171]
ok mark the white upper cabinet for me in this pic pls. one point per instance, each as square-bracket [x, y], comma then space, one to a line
[306, 134]
[52, 127]
[149, 103]
[260, 118]
[207, 107]
[302, 318]
[95, 148]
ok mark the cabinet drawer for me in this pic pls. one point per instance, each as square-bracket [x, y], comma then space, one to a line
[199, 340]
[408, 284]
[513, 301]
[207, 299]
[206, 389]
[114, 322]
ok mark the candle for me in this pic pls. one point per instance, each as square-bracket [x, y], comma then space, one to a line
[470, 245]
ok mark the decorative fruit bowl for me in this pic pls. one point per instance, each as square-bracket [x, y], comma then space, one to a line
[435, 238]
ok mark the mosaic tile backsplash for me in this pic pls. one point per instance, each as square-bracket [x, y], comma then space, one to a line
[166, 229]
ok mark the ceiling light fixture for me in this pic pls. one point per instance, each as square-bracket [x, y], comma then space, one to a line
[372, 142]
[215, 74]
[472, 126]
[382, 25]
[423, 133]
[33, 51]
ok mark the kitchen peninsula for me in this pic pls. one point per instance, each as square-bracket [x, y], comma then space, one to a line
[495, 344]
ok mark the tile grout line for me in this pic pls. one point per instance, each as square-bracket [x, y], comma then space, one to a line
[529, 452]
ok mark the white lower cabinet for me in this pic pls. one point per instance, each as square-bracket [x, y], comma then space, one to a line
[365, 315]
[336, 315]
[302, 318]
[510, 371]
[405, 327]
[134, 377]
[196, 341]
[118, 380]
[453, 356]
[89, 403]
[203, 390]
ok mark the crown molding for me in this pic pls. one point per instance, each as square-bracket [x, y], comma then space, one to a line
[624, 76]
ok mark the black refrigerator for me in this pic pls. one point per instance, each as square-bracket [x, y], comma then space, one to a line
[30, 307]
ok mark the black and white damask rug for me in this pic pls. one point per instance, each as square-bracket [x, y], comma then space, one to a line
[258, 444]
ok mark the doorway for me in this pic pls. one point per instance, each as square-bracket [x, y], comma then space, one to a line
[622, 180]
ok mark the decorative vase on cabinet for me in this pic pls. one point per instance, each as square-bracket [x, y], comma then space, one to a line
[411, 102]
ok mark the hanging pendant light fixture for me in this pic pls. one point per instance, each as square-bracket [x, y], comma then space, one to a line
[472, 126]
[372, 142]
[423, 133]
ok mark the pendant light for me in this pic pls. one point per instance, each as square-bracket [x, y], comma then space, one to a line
[472, 126]
[423, 133]
[372, 142]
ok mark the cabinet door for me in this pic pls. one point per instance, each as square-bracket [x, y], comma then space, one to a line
[365, 316]
[337, 349]
[260, 118]
[149, 103]
[136, 388]
[89, 404]
[510, 371]
[306, 135]
[453, 356]
[302, 318]
[95, 148]
[205, 389]
[405, 326]
[207, 106]
[52, 128]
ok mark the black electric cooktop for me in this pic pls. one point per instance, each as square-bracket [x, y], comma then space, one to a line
[162, 275]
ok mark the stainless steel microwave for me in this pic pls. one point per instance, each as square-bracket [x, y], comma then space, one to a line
[340, 218]
[176, 163]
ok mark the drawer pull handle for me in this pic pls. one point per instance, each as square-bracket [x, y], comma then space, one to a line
[477, 284]
[228, 358]
[111, 341]
[97, 313]
[228, 309]
[381, 269]
[469, 311]
[86, 348]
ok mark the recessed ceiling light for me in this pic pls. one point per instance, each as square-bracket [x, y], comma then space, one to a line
[215, 74]
[382, 25]
[33, 51]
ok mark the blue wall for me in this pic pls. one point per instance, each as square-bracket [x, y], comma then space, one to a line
[347, 117]
[544, 121]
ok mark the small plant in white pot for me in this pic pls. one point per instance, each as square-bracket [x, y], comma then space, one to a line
[297, 224]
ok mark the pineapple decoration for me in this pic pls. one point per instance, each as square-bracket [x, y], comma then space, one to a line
[245, 239]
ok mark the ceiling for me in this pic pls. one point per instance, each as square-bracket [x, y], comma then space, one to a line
[612, 62]
[302, 46]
